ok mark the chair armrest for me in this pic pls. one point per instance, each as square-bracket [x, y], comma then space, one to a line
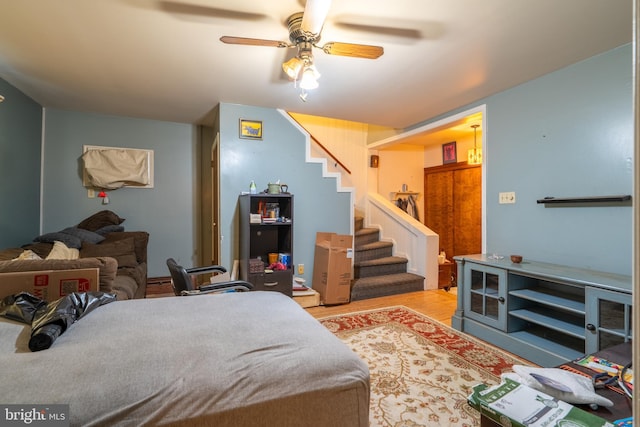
[233, 284]
[237, 285]
[208, 269]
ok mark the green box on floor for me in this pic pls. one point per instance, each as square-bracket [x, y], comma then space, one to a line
[513, 404]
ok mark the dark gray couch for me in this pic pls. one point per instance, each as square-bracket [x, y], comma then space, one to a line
[121, 256]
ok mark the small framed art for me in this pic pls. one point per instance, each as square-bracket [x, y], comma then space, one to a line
[449, 153]
[250, 129]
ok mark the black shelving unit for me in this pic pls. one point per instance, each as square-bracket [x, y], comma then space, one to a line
[266, 226]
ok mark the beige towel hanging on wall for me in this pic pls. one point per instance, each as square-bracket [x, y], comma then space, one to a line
[114, 168]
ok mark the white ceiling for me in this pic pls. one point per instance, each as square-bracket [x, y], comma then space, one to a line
[163, 60]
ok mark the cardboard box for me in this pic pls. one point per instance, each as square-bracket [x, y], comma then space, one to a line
[306, 299]
[49, 285]
[332, 267]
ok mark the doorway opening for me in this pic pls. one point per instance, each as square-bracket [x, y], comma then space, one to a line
[404, 158]
[408, 163]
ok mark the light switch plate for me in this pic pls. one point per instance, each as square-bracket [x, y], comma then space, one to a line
[507, 197]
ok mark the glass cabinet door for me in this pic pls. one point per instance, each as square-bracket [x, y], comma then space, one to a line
[608, 319]
[485, 289]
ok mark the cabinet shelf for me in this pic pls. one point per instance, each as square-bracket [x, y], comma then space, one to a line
[552, 301]
[617, 332]
[553, 323]
[565, 353]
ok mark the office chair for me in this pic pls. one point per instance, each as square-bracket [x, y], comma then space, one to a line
[181, 278]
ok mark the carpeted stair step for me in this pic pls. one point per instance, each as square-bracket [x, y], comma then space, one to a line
[380, 266]
[358, 223]
[372, 251]
[365, 236]
[390, 284]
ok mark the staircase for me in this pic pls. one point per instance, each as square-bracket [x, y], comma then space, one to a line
[376, 271]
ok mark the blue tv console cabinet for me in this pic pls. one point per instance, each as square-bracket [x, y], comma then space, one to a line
[542, 312]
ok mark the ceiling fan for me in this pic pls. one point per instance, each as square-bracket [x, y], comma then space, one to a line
[304, 34]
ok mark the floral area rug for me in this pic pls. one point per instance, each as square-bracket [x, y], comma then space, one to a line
[421, 370]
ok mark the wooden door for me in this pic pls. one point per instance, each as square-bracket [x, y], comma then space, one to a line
[467, 216]
[215, 201]
[453, 207]
[209, 242]
[438, 206]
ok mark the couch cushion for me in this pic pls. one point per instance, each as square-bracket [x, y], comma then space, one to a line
[99, 220]
[140, 241]
[124, 287]
[11, 253]
[122, 250]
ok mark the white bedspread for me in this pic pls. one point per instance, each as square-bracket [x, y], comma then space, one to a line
[236, 359]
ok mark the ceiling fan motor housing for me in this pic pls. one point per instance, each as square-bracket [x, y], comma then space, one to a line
[296, 34]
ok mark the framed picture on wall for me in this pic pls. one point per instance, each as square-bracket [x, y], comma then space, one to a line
[449, 153]
[250, 129]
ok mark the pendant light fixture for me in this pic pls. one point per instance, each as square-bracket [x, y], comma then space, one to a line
[474, 155]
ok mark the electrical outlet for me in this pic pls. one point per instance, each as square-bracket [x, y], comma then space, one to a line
[300, 268]
[507, 197]
[91, 193]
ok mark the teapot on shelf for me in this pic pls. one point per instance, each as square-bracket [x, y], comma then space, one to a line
[277, 188]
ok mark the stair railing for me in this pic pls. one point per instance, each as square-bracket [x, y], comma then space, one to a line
[325, 149]
[411, 238]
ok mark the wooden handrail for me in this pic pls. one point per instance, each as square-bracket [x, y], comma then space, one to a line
[322, 146]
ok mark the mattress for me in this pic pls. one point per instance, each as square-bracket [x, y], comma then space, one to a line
[234, 359]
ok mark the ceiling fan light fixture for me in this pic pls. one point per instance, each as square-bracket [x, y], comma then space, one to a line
[310, 76]
[293, 67]
[304, 35]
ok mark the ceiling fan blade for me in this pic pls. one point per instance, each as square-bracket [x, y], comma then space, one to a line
[182, 8]
[409, 29]
[252, 42]
[353, 50]
[315, 13]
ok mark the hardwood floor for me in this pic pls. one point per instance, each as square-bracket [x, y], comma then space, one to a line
[436, 304]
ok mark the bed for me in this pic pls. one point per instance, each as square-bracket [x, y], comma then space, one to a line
[234, 359]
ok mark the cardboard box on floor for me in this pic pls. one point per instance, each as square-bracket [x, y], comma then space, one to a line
[49, 285]
[332, 266]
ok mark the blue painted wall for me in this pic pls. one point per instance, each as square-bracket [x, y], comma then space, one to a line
[279, 155]
[20, 137]
[569, 133]
[566, 134]
[168, 211]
